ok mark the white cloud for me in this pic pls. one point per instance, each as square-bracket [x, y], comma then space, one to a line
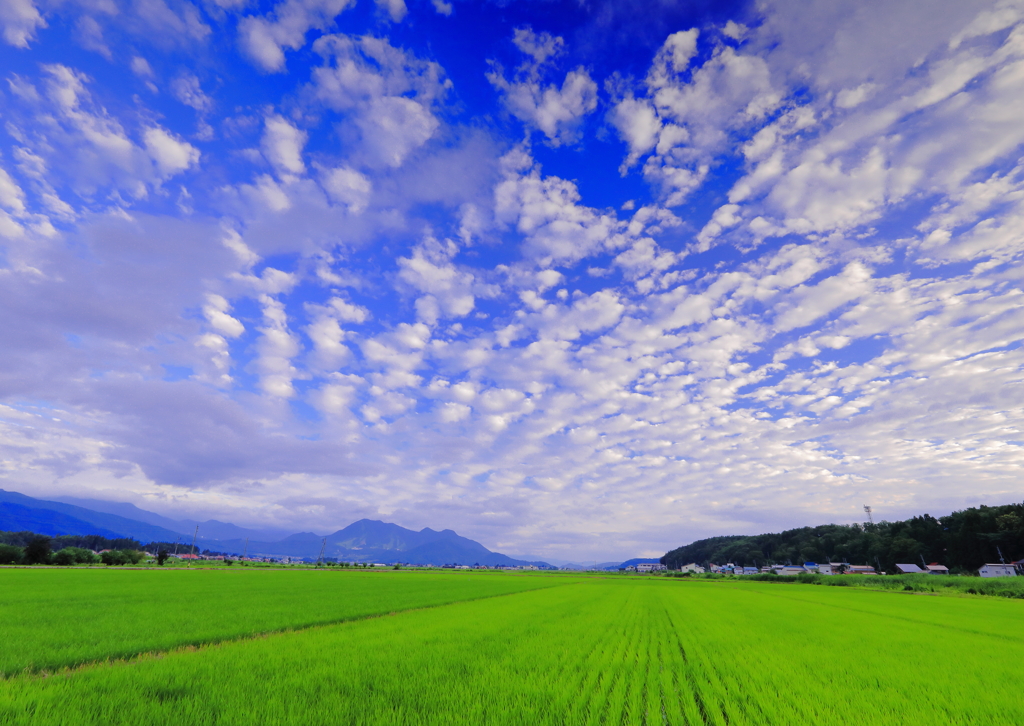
[686, 122]
[20, 19]
[448, 289]
[393, 127]
[172, 155]
[554, 111]
[396, 9]
[12, 198]
[84, 147]
[546, 211]
[345, 185]
[185, 88]
[264, 38]
[140, 67]
[277, 346]
[89, 34]
[217, 314]
[282, 144]
[390, 92]
[898, 134]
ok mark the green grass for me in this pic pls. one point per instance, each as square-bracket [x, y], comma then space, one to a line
[593, 651]
[1012, 587]
[55, 618]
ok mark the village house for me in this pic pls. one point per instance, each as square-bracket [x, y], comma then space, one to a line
[997, 570]
[860, 570]
[649, 567]
[692, 567]
[908, 569]
[936, 569]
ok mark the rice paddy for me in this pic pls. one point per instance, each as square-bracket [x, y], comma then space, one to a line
[558, 650]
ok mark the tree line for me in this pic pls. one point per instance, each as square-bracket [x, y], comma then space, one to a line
[29, 548]
[962, 541]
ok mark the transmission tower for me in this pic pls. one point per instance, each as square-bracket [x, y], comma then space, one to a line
[867, 510]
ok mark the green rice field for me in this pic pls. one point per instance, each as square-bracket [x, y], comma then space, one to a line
[461, 648]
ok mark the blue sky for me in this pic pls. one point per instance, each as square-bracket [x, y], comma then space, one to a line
[580, 280]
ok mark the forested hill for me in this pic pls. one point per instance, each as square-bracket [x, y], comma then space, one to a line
[963, 541]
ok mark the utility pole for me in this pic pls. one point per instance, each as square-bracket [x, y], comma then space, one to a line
[244, 550]
[1001, 560]
[322, 548]
[867, 510]
[196, 534]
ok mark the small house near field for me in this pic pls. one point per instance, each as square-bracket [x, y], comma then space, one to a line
[936, 569]
[908, 569]
[860, 570]
[692, 567]
[997, 570]
[649, 567]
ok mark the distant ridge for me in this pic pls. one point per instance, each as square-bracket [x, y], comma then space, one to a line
[100, 522]
[367, 540]
[370, 540]
[210, 529]
[18, 518]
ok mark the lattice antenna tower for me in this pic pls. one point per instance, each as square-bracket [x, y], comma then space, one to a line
[867, 510]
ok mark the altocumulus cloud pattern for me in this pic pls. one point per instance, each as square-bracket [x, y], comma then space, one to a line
[566, 277]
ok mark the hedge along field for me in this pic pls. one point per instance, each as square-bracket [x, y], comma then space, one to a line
[624, 650]
[56, 618]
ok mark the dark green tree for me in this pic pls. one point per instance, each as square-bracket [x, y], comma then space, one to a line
[37, 552]
[161, 557]
[10, 555]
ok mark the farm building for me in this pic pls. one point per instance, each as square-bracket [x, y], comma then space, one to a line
[860, 570]
[936, 569]
[649, 567]
[692, 567]
[908, 569]
[831, 568]
[997, 570]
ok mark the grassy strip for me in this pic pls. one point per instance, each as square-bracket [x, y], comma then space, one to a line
[626, 651]
[1011, 587]
[59, 618]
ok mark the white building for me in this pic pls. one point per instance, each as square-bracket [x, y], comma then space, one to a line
[997, 570]
[692, 567]
[649, 567]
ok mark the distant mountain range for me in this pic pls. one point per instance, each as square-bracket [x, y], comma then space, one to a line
[364, 541]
